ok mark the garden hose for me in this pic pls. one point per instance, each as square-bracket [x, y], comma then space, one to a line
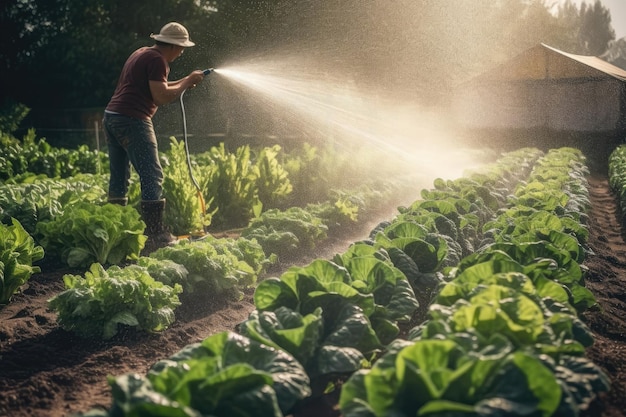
[187, 154]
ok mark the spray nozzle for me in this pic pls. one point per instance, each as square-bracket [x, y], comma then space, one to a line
[208, 71]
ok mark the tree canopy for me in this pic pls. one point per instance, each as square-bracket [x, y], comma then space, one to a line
[68, 53]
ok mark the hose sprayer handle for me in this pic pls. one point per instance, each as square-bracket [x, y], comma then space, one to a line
[207, 71]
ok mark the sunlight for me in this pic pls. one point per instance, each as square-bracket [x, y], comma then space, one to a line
[340, 112]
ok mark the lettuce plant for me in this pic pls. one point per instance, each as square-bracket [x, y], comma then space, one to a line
[232, 189]
[427, 250]
[509, 306]
[96, 304]
[320, 284]
[284, 233]
[183, 211]
[617, 174]
[86, 233]
[35, 156]
[17, 254]
[165, 271]
[547, 264]
[273, 182]
[43, 199]
[372, 272]
[216, 266]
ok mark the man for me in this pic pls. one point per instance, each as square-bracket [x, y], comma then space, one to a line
[142, 87]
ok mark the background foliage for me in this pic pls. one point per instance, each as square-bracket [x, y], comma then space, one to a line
[68, 53]
[61, 58]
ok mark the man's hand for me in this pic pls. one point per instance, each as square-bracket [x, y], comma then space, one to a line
[195, 77]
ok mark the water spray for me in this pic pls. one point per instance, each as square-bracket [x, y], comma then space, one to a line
[187, 154]
[318, 102]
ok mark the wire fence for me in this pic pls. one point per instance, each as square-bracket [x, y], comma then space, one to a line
[94, 138]
[71, 128]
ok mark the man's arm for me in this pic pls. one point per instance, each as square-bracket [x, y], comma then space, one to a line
[165, 92]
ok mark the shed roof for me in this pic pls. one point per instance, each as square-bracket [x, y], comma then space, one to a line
[544, 62]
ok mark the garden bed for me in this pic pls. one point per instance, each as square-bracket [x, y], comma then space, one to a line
[46, 371]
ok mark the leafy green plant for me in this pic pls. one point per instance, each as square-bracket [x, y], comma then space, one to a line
[371, 271]
[339, 347]
[11, 115]
[183, 211]
[508, 305]
[246, 250]
[273, 183]
[86, 233]
[617, 175]
[98, 303]
[320, 284]
[165, 271]
[233, 186]
[43, 199]
[380, 290]
[36, 156]
[427, 250]
[546, 263]
[443, 377]
[17, 254]
[216, 266]
[224, 375]
[323, 313]
[344, 208]
[285, 233]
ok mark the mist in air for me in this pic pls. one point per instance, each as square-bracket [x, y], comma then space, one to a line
[372, 74]
[320, 107]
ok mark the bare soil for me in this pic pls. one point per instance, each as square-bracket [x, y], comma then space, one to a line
[48, 372]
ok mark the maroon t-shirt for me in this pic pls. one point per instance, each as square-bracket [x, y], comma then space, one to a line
[132, 95]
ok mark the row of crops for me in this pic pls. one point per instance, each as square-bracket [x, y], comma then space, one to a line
[496, 256]
[53, 205]
[39, 182]
[617, 175]
[466, 302]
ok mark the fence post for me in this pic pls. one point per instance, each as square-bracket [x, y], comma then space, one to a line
[97, 129]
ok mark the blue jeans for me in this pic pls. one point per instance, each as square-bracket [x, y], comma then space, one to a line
[132, 141]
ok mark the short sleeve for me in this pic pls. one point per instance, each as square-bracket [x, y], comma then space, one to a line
[157, 69]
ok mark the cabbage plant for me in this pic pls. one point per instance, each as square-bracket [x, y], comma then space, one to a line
[224, 375]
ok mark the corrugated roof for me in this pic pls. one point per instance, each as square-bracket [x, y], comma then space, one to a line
[543, 62]
[594, 62]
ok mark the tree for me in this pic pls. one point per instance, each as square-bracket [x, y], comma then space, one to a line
[596, 31]
[586, 30]
[68, 53]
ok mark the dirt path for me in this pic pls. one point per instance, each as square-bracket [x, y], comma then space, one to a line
[47, 372]
[607, 280]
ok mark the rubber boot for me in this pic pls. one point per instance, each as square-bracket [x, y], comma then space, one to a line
[158, 235]
[122, 201]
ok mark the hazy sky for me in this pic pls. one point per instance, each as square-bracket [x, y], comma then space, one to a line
[618, 14]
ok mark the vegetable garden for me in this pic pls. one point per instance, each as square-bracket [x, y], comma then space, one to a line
[481, 295]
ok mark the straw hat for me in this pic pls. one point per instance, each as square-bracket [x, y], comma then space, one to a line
[175, 34]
